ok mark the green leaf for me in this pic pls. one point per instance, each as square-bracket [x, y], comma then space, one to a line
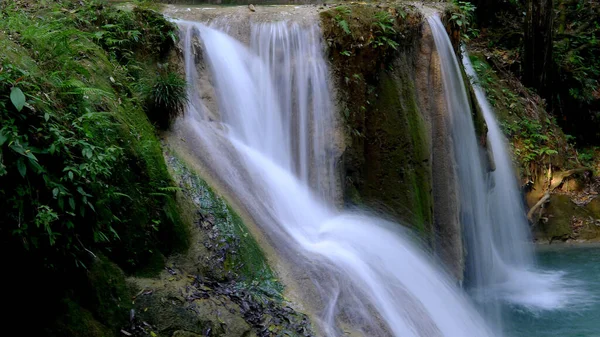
[71, 175]
[3, 138]
[46, 116]
[55, 192]
[112, 230]
[17, 98]
[21, 167]
[86, 152]
[72, 203]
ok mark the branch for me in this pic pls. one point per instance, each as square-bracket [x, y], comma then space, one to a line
[539, 204]
[555, 181]
[561, 176]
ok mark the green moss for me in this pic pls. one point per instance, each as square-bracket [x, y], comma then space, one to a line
[111, 295]
[243, 256]
[387, 160]
[478, 119]
[77, 322]
[397, 154]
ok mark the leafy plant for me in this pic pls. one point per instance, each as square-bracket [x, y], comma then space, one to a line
[166, 98]
[340, 18]
[384, 30]
[464, 17]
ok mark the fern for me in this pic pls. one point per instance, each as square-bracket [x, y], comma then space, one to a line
[344, 26]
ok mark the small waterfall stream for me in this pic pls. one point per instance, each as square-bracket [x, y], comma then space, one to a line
[269, 147]
[526, 285]
[500, 263]
[485, 265]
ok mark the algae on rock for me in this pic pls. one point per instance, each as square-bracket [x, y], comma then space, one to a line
[223, 286]
[386, 160]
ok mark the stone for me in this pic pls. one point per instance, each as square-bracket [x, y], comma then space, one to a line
[251, 8]
[183, 333]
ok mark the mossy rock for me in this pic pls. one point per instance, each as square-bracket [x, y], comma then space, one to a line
[592, 230]
[183, 333]
[236, 253]
[78, 322]
[174, 315]
[109, 293]
[397, 171]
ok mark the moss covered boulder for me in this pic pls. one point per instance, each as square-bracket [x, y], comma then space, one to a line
[564, 220]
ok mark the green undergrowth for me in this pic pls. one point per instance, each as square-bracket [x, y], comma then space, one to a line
[81, 169]
[573, 75]
[363, 38]
[237, 254]
[81, 165]
[536, 138]
[460, 17]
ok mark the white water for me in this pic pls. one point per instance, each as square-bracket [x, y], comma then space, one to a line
[368, 274]
[527, 286]
[485, 265]
[500, 263]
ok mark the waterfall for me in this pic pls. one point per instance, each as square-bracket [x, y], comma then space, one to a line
[500, 263]
[270, 144]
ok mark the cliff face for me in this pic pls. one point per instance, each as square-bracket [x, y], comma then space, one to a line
[398, 157]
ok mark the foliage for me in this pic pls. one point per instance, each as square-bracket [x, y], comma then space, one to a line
[80, 166]
[341, 22]
[574, 96]
[577, 50]
[535, 136]
[384, 30]
[534, 139]
[165, 98]
[354, 28]
[462, 16]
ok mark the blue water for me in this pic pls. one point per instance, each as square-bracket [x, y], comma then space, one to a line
[578, 312]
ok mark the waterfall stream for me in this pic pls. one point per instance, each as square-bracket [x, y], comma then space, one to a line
[500, 264]
[268, 143]
[526, 285]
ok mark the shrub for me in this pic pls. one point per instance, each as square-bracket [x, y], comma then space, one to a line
[165, 98]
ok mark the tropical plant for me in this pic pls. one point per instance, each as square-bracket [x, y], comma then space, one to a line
[165, 98]
[464, 18]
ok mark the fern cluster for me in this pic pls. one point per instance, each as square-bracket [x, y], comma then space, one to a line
[165, 97]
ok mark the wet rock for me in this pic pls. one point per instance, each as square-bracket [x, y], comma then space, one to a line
[183, 333]
[564, 220]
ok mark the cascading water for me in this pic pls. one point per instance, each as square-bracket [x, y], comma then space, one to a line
[485, 266]
[500, 256]
[526, 286]
[273, 96]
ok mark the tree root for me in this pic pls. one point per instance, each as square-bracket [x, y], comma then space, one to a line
[559, 177]
[537, 205]
[556, 180]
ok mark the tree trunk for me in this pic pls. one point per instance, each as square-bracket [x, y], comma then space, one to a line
[537, 72]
